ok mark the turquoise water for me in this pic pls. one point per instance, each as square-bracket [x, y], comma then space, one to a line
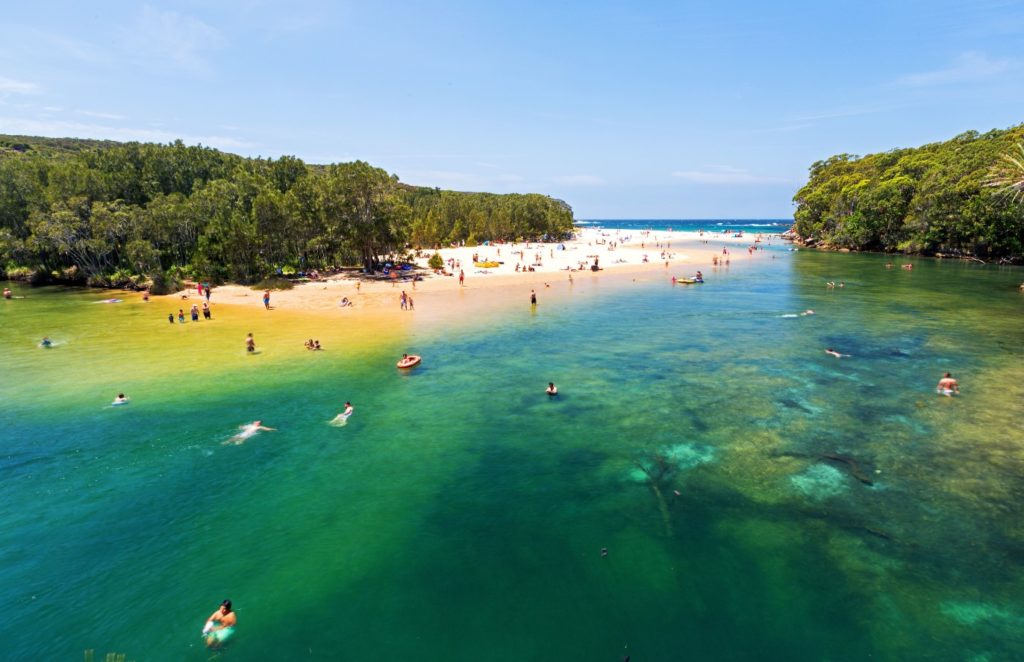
[826, 509]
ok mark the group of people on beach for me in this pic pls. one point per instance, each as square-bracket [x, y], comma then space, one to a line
[193, 313]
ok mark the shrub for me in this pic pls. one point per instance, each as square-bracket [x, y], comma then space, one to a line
[274, 283]
[436, 261]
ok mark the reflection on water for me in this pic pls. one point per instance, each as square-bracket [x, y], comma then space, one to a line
[755, 497]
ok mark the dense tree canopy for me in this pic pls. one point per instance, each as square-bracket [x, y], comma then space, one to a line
[120, 214]
[931, 199]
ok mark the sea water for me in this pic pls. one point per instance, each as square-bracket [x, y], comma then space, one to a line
[754, 497]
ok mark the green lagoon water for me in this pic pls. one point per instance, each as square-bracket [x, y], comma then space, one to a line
[461, 514]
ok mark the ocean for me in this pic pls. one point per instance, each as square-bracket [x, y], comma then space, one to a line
[708, 485]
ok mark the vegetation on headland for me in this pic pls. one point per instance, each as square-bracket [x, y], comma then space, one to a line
[131, 214]
[938, 199]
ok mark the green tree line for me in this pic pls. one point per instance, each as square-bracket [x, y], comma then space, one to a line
[933, 199]
[125, 214]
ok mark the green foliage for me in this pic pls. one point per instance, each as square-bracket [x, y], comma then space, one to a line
[274, 283]
[436, 261]
[940, 198]
[116, 212]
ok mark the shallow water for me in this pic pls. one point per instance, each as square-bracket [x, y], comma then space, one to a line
[826, 509]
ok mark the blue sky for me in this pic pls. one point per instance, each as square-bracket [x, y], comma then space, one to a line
[623, 109]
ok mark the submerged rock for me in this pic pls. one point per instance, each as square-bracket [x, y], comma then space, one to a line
[820, 482]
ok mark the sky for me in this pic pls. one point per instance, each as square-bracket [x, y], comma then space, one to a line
[622, 109]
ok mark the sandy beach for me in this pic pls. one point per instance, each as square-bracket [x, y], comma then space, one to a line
[618, 253]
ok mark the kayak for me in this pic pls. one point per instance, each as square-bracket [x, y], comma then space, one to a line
[409, 361]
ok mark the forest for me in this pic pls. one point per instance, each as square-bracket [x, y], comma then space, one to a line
[947, 198]
[137, 215]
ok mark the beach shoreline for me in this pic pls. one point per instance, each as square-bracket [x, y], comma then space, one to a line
[619, 254]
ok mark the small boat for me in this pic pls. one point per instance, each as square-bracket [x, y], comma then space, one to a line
[409, 361]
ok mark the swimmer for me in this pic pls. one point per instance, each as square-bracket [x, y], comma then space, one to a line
[835, 353]
[121, 399]
[551, 389]
[7, 293]
[342, 418]
[220, 625]
[948, 386]
[807, 312]
[248, 430]
[46, 342]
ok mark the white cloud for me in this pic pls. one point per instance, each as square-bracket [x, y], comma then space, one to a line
[967, 67]
[102, 116]
[579, 180]
[168, 35]
[12, 86]
[726, 175]
[63, 129]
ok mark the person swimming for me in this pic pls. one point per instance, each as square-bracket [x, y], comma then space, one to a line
[220, 625]
[551, 389]
[948, 386]
[46, 342]
[343, 417]
[835, 353]
[248, 430]
[121, 399]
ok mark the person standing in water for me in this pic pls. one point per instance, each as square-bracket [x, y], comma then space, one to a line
[250, 343]
[266, 299]
[206, 310]
[948, 386]
[220, 625]
[551, 390]
[533, 297]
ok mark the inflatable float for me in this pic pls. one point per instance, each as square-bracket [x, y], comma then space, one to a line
[409, 361]
[487, 265]
[688, 281]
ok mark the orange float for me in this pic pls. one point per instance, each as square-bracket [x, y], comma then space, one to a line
[409, 361]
